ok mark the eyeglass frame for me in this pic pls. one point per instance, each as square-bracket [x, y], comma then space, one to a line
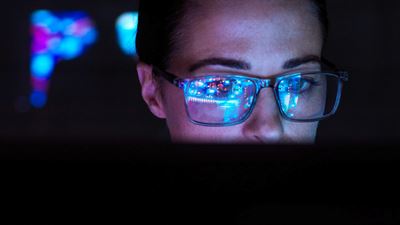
[261, 83]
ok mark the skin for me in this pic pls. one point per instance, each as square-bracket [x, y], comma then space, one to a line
[265, 35]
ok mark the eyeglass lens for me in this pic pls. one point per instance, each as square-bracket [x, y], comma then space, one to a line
[218, 100]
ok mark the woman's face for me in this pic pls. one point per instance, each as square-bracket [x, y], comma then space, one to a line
[267, 36]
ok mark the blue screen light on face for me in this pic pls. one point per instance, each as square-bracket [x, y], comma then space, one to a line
[126, 27]
[56, 37]
[289, 98]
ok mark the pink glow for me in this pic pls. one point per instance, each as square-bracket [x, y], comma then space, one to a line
[80, 27]
[41, 35]
[39, 84]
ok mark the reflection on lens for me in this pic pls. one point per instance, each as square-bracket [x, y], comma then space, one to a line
[228, 100]
[289, 93]
[219, 100]
[307, 96]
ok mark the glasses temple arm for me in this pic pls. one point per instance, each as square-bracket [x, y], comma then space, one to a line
[168, 76]
[329, 63]
[343, 74]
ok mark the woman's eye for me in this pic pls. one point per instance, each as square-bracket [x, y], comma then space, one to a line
[296, 85]
[305, 84]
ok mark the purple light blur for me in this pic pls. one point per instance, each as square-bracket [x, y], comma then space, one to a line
[56, 37]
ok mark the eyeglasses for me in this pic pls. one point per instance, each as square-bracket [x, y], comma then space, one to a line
[225, 100]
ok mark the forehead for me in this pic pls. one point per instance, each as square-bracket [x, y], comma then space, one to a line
[263, 7]
[237, 28]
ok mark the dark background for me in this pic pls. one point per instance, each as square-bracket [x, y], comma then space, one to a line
[97, 96]
[87, 151]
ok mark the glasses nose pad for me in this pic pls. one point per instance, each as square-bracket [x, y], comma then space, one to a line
[265, 83]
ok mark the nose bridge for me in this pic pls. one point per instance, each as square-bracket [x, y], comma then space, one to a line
[267, 86]
[264, 83]
[265, 122]
[266, 101]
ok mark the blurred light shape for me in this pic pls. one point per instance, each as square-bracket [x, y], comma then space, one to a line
[128, 20]
[43, 18]
[42, 65]
[41, 35]
[70, 47]
[53, 43]
[38, 99]
[126, 27]
[56, 37]
[64, 24]
[39, 84]
[79, 28]
[90, 37]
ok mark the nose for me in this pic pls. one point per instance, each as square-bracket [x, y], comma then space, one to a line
[265, 123]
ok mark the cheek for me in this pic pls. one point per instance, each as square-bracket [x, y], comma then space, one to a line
[177, 120]
[300, 132]
[174, 105]
[180, 127]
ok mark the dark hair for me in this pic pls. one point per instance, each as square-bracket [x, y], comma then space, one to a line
[158, 23]
[322, 14]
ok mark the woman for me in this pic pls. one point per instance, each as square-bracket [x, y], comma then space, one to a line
[234, 71]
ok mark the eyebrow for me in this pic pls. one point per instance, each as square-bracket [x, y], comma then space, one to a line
[293, 63]
[242, 65]
[232, 63]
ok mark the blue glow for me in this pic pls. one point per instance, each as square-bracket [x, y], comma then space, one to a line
[74, 15]
[289, 103]
[231, 111]
[64, 24]
[289, 92]
[42, 65]
[211, 91]
[90, 37]
[38, 99]
[126, 27]
[70, 47]
[199, 83]
[248, 103]
[53, 44]
[56, 37]
[43, 18]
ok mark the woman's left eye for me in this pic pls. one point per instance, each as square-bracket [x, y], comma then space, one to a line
[296, 85]
[305, 84]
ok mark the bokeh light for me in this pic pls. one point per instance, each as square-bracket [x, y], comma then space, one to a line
[38, 99]
[56, 37]
[42, 65]
[126, 27]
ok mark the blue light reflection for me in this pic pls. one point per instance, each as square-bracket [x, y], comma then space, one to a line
[56, 37]
[42, 65]
[126, 27]
[38, 99]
